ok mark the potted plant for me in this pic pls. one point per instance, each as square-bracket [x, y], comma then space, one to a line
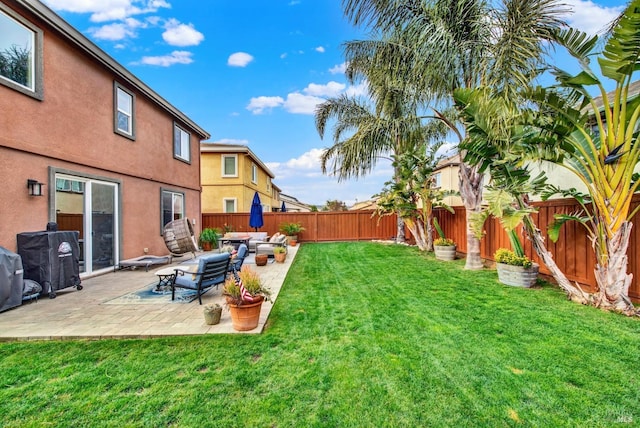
[244, 294]
[208, 239]
[212, 313]
[291, 230]
[515, 270]
[444, 248]
[280, 254]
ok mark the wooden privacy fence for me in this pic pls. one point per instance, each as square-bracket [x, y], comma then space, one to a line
[572, 252]
[319, 226]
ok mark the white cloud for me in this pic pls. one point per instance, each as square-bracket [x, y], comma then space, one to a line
[108, 10]
[358, 90]
[302, 177]
[338, 69]
[307, 161]
[302, 104]
[320, 49]
[258, 105]
[589, 16]
[117, 31]
[331, 89]
[178, 34]
[176, 57]
[239, 59]
[230, 141]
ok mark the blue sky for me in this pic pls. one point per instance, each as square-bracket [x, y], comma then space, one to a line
[251, 72]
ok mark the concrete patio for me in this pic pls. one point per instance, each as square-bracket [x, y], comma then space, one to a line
[85, 314]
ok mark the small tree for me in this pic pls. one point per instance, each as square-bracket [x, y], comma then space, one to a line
[413, 196]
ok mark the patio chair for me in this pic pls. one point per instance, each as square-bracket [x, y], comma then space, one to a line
[179, 237]
[266, 247]
[212, 271]
[236, 263]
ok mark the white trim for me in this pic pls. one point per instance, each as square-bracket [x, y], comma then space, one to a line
[224, 205]
[254, 173]
[222, 158]
[186, 150]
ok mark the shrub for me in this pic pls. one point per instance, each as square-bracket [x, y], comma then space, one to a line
[443, 242]
[290, 229]
[508, 257]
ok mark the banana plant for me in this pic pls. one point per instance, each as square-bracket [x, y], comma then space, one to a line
[413, 195]
[596, 139]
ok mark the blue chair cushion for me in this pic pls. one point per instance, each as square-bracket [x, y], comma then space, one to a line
[190, 280]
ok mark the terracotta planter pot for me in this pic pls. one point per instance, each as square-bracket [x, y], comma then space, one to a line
[206, 246]
[445, 252]
[280, 257]
[261, 259]
[293, 242]
[246, 316]
[517, 276]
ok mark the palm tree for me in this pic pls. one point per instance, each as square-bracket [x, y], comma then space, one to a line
[366, 130]
[443, 45]
[598, 143]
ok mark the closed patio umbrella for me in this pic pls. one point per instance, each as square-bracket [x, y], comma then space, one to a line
[283, 208]
[255, 218]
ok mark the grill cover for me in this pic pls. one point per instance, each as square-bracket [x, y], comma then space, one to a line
[51, 258]
[11, 279]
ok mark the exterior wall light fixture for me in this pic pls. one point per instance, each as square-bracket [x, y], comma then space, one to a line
[35, 188]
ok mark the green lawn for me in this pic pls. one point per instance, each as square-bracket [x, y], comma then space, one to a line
[362, 335]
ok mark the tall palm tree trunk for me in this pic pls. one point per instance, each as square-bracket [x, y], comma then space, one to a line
[471, 182]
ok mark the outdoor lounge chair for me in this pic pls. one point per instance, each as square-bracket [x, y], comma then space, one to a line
[236, 262]
[212, 271]
[266, 247]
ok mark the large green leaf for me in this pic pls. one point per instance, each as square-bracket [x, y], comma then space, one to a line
[622, 51]
[560, 219]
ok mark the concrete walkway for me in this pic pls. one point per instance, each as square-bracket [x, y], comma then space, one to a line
[84, 314]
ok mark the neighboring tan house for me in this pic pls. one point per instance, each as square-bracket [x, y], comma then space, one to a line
[446, 178]
[292, 204]
[114, 160]
[231, 175]
[370, 204]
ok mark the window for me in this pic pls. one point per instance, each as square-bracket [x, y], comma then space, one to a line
[124, 120]
[229, 165]
[268, 184]
[229, 205]
[172, 206]
[181, 143]
[20, 54]
[437, 178]
[254, 173]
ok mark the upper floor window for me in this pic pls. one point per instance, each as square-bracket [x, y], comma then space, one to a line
[254, 173]
[172, 206]
[124, 110]
[20, 54]
[181, 143]
[229, 165]
[268, 184]
[437, 180]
